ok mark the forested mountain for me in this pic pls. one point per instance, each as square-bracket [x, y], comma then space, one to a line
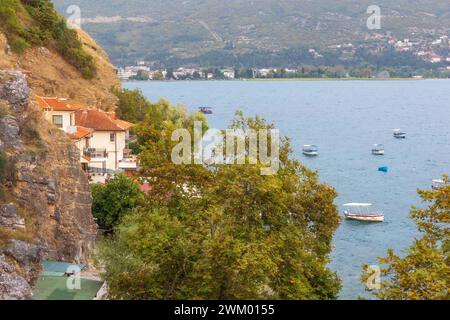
[254, 33]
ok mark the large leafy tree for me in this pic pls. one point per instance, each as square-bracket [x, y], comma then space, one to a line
[223, 231]
[424, 271]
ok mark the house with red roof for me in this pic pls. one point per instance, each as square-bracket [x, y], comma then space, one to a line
[107, 147]
[100, 136]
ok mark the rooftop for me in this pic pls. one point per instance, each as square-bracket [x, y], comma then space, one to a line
[100, 121]
[81, 132]
[56, 104]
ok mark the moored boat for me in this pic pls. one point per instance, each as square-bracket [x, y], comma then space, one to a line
[205, 110]
[399, 134]
[362, 212]
[310, 150]
[439, 183]
[378, 150]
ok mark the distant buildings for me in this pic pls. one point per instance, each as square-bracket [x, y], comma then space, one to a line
[435, 51]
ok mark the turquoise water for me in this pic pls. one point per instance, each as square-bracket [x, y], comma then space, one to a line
[345, 118]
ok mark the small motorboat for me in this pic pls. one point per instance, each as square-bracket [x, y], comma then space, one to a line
[310, 150]
[439, 183]
[399, 134]
[378, 150]
[362, 212]
[205, 110]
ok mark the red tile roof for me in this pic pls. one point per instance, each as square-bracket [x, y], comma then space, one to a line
[87, 118]
[124, 124]
[97, 120]
[55, 104]
[80, 133]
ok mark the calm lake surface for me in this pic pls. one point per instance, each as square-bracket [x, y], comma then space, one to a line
[345, 119]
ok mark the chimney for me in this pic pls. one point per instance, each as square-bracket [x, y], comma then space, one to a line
[112, 115]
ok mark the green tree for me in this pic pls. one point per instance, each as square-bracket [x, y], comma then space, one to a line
[424, 271]
[114, 200]
[132, 105]
[222, 231]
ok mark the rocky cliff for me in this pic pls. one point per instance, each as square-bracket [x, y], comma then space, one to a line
[45, 203]
[48, 74]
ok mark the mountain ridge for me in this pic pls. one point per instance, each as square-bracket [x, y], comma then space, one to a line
[186, 31]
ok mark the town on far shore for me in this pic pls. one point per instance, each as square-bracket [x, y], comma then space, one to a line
[434, 58]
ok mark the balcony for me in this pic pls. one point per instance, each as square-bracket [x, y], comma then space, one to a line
[96, 154]
[128, 164]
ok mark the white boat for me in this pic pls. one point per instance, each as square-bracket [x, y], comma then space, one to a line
[362, 212]
[438, 183]
[399, 134]
[310, 150]
[378, 150]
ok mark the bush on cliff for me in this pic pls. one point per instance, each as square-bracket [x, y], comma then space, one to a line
[43, 24]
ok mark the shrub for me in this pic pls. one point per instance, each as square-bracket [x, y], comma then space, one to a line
[19, 45]
[71, 48]
[113, 201]
[9, 21]
[37, 37]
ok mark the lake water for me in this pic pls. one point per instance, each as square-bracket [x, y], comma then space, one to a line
[345, 119]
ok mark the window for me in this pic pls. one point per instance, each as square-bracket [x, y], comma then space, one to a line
[112, 137]
[58, 121]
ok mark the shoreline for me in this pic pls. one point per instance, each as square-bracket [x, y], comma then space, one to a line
[292, 79]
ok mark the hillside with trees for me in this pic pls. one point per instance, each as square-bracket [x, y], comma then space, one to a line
[264, 33]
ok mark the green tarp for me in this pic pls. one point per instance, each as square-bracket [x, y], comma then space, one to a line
[52, 283]
[55, 288]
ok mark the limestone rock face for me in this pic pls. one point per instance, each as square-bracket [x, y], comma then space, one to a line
[9, 217]
[48, 212]
[15, 91]
[12, 286]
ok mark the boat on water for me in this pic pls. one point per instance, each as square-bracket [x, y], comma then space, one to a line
[438, 183]
[378, 150]
[399, 134]
[310, 150]
[362, 212]
[205, 110]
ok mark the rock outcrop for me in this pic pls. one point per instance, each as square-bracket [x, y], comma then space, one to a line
[12, 285]
[46, 208]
